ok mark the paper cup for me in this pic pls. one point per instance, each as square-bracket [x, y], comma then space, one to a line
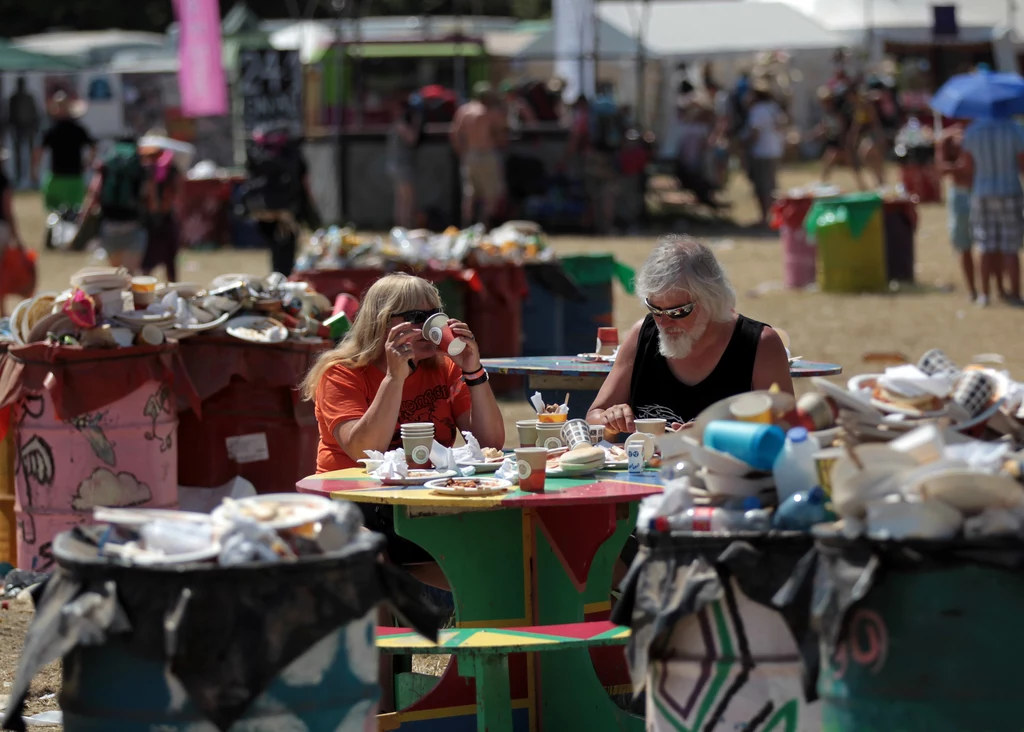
[436, 331]
[937, 362]
[974, 391]
[417, 449]
[549, 436]
[531, 464]
[527, 432]
[144, 284]
[596, 433]
[575, 432]
[654, 427]
[752, 408]
[150, 335]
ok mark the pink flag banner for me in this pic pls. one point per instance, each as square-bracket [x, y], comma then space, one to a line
[201, 79]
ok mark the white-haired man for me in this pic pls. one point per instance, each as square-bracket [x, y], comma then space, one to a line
[693, 349]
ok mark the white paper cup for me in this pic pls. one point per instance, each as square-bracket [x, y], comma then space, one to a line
[549, 436]
[150, 335]
[527, 429]
[654, 427]
[575, 432]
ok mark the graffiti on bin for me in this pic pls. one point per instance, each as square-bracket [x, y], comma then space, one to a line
[157, 404]
[866, 643]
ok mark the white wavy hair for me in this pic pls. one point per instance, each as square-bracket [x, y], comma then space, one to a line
[683, 263]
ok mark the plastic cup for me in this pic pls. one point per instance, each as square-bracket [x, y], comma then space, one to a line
[150, 335]
[575, 432]
[532, 465]
[547, 418]
[654, 427]
[144, 284]
[755, 444]
[436, 331]
[527, 432]
[417, 449]
[549, 436]
[756, 408]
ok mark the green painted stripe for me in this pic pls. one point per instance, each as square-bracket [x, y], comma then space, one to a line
[614, 633]
[725, 638]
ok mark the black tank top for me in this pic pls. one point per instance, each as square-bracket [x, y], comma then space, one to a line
[655, 392]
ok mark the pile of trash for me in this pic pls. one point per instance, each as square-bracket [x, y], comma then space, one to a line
[108, 308]
[272, 528]
[925, 451]
[342, 248]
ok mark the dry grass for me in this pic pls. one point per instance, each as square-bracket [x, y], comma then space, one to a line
[824, 327]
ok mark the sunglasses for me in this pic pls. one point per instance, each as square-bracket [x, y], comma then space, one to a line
[416, 317]
[677, 313]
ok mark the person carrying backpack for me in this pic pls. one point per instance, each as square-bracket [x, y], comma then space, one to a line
[276, 194]
[116, 189]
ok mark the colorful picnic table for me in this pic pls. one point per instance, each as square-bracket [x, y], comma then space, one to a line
[519, 560]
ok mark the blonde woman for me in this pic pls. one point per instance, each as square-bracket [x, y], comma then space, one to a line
[385, 374]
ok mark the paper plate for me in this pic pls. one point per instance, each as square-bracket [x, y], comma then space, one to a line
[417, 477]
[152, 559]
[257, 329]
[19, 311]
[782, 402]
[200, 327]
[554, 470]
[596, 358]
[843, 398]
[134, 517]
[468, 487]
[489, 466]
[276, 510]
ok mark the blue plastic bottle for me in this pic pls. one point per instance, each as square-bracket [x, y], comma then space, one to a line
[802, 510]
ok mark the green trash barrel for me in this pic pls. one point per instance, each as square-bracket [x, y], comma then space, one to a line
[932, 646]
[850, 235]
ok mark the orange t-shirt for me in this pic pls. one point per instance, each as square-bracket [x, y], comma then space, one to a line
[436, 395]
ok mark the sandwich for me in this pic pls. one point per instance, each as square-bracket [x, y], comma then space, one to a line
[907, 397]
[585, 456]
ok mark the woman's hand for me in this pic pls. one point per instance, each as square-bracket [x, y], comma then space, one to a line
[469, 359]
[398, 350]
[615, 419]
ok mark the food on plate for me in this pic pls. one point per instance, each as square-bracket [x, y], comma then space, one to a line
[585, 456]
[470, 484]
[921, 401]
[616, 454]
[552, 408]
[493, 453]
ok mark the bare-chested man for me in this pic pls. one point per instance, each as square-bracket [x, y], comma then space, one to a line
[951, 163]
[478, 130]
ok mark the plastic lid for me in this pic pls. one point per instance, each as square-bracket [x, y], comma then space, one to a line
[797, 434]
[751, 503]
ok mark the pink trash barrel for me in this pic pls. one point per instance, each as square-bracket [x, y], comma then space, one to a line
[799, 258]
[125, 454]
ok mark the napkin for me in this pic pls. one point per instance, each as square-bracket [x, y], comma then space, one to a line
[443, 458]
[912, 381]
[470, 452]
[394, 465]
[538, 404]
[509, 471]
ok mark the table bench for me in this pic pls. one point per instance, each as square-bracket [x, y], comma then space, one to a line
[482, 655]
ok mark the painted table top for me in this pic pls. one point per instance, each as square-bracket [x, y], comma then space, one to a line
[605, 487]
[576, 366]
[507, 640]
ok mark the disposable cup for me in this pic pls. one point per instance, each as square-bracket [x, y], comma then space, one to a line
[549, 436]
[531, 463]
[150, 335]
[436, 331]
[654, 427]
[755, 444]
[596, 433]
[755, 408]
[144, 284]
[575, 432]
[527, 432]
[552, 418]
[417, 449]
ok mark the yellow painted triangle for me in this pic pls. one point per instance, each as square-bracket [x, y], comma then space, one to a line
[490, 639]
[413, 641]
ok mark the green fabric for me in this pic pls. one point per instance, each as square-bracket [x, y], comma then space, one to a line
[597, 269]
[854, 210]
[13, 58]
[63, 190]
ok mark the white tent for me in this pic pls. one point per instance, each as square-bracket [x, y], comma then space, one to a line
[728, 34]
[910, 22]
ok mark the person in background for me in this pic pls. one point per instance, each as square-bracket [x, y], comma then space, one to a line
[632, 164]
[72, 150]
[993, 159]
[767, 146]
[478, 133]
[832, 131]
[161, 191]
[865, 137]
[23, 118]
[952, 164]
[9, 236]
[692, 350]
[595, 137]
[116, 189]
[689, 146]
[404, 138]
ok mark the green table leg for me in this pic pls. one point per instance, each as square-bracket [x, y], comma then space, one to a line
[493, 698]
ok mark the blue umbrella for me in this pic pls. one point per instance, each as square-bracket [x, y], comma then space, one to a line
[982, 95]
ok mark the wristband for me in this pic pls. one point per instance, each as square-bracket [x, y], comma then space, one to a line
[477, 381]
[473, 374]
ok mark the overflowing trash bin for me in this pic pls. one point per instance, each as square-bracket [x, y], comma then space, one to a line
[850, 238]
[176, 621]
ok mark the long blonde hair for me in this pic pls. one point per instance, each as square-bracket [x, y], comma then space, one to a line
[364, 344]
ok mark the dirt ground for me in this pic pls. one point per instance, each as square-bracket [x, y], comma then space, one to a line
[841, 329]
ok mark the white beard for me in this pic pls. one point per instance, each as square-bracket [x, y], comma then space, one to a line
[679, 345]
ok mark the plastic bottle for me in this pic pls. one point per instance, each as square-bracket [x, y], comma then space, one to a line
[794, 467]
[709, 518]
[802, 510]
